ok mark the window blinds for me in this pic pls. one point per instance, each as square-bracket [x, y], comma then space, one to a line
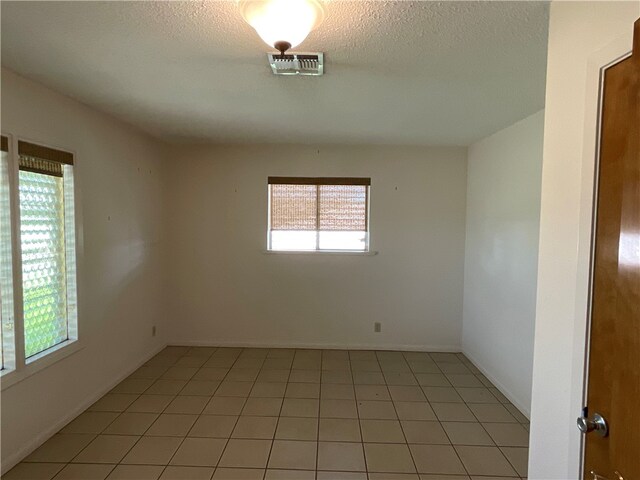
[319, 204]
[38, 159]
[294, 207]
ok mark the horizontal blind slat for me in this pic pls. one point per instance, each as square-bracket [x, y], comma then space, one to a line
[39, 165]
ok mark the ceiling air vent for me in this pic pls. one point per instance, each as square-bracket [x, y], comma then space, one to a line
[297, 63]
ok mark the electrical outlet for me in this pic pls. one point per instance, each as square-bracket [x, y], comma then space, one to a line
[377, 327]
[153, 331]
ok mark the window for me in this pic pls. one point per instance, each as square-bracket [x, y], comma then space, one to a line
[37, 256]
[47, 239]
[318, 214]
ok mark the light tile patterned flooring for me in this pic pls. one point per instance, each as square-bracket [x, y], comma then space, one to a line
[275, 414]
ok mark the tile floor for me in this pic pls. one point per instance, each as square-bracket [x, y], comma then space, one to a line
[276, 414]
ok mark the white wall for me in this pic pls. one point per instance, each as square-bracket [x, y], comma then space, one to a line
[579, 33]
[503, 213]
[119, 184]
[226, 290]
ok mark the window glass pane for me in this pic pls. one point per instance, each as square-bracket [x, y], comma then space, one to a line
[343, 240]
[42, 229]
[6, 275]
[293, 240]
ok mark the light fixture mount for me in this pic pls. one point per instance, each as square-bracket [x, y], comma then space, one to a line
[282, 24]
[282, 47]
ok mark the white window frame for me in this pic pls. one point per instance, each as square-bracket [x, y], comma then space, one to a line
[367, 249]
[7, 300]
[23, 367]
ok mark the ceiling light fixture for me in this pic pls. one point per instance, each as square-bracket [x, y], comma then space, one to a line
[282, 24]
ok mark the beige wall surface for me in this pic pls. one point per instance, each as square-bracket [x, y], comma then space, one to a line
[225, 290]
[500, 272]
[119, 275]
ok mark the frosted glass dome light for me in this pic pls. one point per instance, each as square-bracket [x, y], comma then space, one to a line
[282, 24]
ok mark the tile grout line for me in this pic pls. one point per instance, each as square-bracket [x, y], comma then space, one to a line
[355, 396]
[510, 462]
[319, 408]
[255, 380]
[286, 386]
[244, 405]
[480, 378]
[165, 467]
[453, 447]
[186, 436]
[413, 461]
[58, 475]
[485, 430]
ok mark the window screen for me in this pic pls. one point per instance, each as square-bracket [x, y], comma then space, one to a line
[46, 233]
[318, 213]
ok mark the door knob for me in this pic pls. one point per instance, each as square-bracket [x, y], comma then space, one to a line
[597, 477]
[596, 424]
[600, 477]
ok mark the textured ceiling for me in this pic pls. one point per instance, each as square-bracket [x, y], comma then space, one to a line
[415, 73]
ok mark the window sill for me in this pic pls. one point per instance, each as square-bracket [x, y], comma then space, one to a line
[39, 362]
[370, 253]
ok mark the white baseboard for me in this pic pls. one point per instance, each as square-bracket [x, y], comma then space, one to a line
[324, 346]
[525, 410]
[13, 459]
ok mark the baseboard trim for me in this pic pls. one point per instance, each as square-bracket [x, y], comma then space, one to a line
[500, 386]
[12, 460]
[325, 346]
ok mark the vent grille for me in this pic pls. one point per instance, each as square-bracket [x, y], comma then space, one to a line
[311, 64]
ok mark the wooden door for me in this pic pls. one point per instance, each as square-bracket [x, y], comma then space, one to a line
[614, 354]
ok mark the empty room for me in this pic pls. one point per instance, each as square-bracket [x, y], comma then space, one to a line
[320, 239]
